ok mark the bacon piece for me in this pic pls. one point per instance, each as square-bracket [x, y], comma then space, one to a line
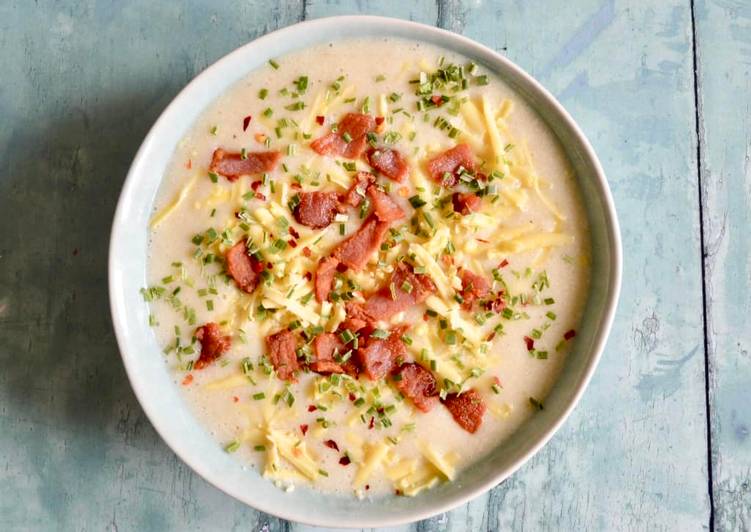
[467, 409]
[232, 165]
[354, 125]
[419, 385]
[324, 278]
[355, 251]
[243, 268]
[379, 357]
[353, 197]
[324, 347]
[316, 209]
[389, 162]
[474, 287]
[465, 203]
[281, 349]
[213, 344]
[449, 162]
[382, 305]
[385, 208]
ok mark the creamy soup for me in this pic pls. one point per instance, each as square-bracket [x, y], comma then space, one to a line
[368, 261]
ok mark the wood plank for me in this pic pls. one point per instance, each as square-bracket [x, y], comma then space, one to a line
[82, 83]
[633, 454]
[723, 46]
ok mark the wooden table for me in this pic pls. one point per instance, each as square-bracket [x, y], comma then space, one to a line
[663, 89]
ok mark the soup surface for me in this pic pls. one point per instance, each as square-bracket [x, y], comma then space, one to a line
[368, 261]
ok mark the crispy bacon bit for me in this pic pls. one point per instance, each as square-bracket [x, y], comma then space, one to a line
[503, 264]
[282, 348]
[467, 203]
[325, 346]
[304, 429]
[410, 289]
[384, 208]
[312, 408]
[331, 444]
[569, 334]
[246, 122]
[355, 251]
[324, 278]
[316, 209]
[344, 460]
[418, 384]
[188, 379]
[379, 357]
[351, 368]
[389, 162]
[243, 268]
[449, 162]
[474, 287]
[232, 165]
[354, 196]
[467, 409]
[320, 120]
[497, 304]
[213, 344]
[530, 343]
[354, 127]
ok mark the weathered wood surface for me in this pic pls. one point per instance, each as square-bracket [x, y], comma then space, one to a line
[82, 83]
[723, 39]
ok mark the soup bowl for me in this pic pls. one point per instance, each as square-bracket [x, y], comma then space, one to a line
[151, 379]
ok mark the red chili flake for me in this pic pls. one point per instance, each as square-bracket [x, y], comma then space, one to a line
[372, 422]
[425, 317]
[189, 164]
[352, 397]
[569, 334]
[294, 232]
[312, 408]
[306, 251]
[292, 243]
[331, 444]
[258, 267]
[530, 343]
[380, 410]
[320, 120]
[490, 337]
[398, 492]
[448, 260]
[246, 122]
[303, 429]
[75, 252]
[188, 379]
[438, 100]
[482, 240]
[270, 265]
[295, 186]
[497, 381]
[503, 264]
[260, 196]
[255, 185]
[481, 177]
[379, 120]
[367, 486]
[344, 460]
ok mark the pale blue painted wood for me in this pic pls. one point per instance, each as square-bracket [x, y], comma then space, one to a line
[723, 36]
[77, 97]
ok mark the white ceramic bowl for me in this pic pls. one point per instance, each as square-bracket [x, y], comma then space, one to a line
[142, 356]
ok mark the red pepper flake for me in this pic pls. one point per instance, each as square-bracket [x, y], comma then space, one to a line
[320, 120]
[246, 122]
[188, 379]
[258, 267]
[569, 334]
[306, 251]
[482, 240]
[294, 232]
[497, 381]
[303, 429]
[448, 260]
[260, 196]
[255, 185]
[312, 408]
[425, 317]
[490, 337]
[189, 164]
[438, 100]
[295, 186]
[372, 422]
[75, 252]
[503, 264]
[308, 276]
[292, 242]
[367, 487]
[379, 120]
[331, 444]
[481, 177]
[344, 460]
[270, 265]
[352, 397]
[530, 343]
[235, 399]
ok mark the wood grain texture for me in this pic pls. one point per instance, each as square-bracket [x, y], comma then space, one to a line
[723, 38]
[77, 453]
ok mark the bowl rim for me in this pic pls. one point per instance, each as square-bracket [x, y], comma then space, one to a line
[449, 40]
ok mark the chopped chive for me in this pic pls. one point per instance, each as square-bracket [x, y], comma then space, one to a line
[259, 396]
[273, 64]
[214, 178]
[213, 130]
[232, 446]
